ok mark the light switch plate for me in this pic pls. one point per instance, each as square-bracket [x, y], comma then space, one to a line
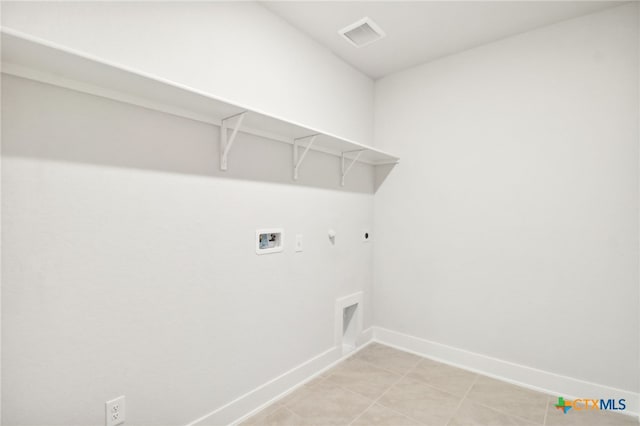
[114, 411]
[299, 242]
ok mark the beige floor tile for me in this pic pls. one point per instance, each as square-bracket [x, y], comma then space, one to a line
[261, 417]
[509, 398]
[388, 358]
[419, 401]
[472, 414]
[280, 417]
[556, 417]
[363, 378]
[429, 394]
[378, 415]
[444, 377]
[328, 404]
[300, 392]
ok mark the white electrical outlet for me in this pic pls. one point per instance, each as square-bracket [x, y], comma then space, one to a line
[299, 242]
[114, 412]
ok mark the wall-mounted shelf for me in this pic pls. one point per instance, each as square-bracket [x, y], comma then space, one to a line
[40, 60]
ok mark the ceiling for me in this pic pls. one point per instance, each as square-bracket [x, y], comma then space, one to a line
[422, 31]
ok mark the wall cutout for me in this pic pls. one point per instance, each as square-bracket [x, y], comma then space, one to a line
[349, 322]
[269, 240]
[349, 332]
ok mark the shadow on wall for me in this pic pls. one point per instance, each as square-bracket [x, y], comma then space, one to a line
[380, 174]
[48, 122]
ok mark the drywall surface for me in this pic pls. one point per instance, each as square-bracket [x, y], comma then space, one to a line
[511, 227]
[129, 264]
[237, 51]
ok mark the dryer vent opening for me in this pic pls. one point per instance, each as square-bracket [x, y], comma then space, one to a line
[349, 328]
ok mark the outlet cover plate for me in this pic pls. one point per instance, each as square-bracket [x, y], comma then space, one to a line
[115, 411]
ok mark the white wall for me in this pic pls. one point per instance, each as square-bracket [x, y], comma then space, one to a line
[129, 263]
[511, 227]
[237, 51]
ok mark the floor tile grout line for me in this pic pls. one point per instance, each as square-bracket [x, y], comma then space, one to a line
[346, 390]
[399, 413]
[370, 364]
[424, 382]
[382, 368]
[338, 386]
[480, 403]
[546, 411]
[323, 379]
[392, 409]
[420, 360]
[387, 390]
[498, 410]
[278, 408]
[475, 380]
[375, 401]
[292, 412]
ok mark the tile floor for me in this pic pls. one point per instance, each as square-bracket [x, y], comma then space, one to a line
[384, 386]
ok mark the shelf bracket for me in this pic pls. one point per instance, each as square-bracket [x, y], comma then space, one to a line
[298, 159]
[226, 141]
[345, 171]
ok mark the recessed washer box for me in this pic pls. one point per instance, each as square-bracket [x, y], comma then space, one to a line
[269, 240]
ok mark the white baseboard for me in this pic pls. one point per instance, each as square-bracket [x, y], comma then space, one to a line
[539, 380]
[553, 384]
[366, 337]
[255, 400]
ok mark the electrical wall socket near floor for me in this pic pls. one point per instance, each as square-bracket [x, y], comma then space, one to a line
[114, 411]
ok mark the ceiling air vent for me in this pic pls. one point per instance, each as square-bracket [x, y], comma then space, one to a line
[362, 33]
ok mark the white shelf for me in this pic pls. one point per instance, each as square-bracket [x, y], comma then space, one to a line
[40, 60]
